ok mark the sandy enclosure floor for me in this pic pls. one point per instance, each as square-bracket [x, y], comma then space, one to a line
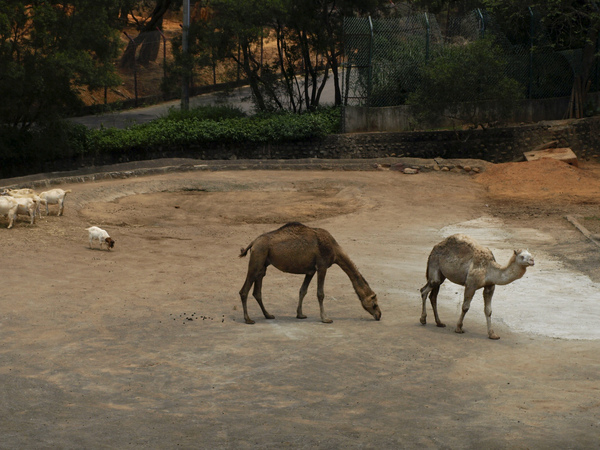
[145, 346]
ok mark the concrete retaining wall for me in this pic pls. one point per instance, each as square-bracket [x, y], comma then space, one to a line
[494, 145]
[361, 119]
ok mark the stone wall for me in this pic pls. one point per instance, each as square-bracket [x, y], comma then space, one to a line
[494, 145]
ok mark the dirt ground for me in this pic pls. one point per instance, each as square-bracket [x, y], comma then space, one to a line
[145, 345]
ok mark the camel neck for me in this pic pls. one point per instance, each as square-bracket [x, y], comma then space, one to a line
[504, 275]
[358, 282]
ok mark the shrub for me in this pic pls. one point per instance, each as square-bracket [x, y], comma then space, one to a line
[184, 129]
[456, 83]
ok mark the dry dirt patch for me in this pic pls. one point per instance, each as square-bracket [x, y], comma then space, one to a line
[302, 203]
[543, 181]
[145, 346]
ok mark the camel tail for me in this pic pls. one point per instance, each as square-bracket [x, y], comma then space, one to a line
[244, 251]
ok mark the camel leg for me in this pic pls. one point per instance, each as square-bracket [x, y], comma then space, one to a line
[303, 290]
[257, 294]
[432, 288]
[244, 297]
[469, 292]
[321, 294]
[433, 299]
[424, 291]
[488, 292]
[253, 277]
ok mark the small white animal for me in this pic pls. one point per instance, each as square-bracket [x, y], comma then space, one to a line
[101, 236]
[54, 197]
[27, 207]
[8, 207]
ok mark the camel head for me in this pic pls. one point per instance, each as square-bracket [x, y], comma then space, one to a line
[524, 258]
[370, 305]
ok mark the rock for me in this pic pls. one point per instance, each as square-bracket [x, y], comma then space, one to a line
[562, 154]
[410, 171]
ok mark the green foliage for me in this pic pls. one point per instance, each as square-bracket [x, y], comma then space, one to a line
[41, 144]
[32, 149]
[457, 82]
[188, 129]
[309, 42]
[49, 47]
[215, 113]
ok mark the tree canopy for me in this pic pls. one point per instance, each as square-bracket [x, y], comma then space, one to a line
[309, 43]
[49, 47]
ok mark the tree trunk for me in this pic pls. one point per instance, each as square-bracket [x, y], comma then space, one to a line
[148, 38]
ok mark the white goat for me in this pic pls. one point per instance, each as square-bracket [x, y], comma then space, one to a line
[8, 207]
[101, 236]
[25, 193]
[27, 206]
[54, 197]
[14, 192]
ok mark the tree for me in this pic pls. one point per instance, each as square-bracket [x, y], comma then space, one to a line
[148, 37]
[456, 84]
[571, 24]
[309, 46]
[47, 48]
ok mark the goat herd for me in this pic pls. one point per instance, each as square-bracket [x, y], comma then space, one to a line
[27, 202]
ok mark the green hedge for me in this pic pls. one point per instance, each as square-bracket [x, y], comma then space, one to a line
[35, 150]
[184, 130]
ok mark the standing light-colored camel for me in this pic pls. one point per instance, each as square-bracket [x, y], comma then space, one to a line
[463, 261]
[296, 248]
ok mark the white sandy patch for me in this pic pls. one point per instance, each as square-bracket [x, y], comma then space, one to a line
[549, 300]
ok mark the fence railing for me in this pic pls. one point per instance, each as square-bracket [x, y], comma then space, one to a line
[383, 57]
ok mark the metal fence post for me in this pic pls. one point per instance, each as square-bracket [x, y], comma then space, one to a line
[531, 31]
[482, 27]
[185, 92]
[427, 36]
[135, 89]
[370, 80]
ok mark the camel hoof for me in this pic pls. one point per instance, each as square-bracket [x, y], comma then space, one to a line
[441, 325]
[269, 316]
[494, 336]
[250, 321]
[327, 321]
[459, 331]
[423, 321]
[300, 316]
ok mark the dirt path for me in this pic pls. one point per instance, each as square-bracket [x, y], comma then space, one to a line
[145, 346]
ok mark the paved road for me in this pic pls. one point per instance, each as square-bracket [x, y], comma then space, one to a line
[239, 98]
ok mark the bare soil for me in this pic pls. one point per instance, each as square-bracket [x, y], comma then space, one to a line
[145, 345]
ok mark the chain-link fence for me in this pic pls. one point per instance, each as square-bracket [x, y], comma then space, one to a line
[146, 73]
[384, 57]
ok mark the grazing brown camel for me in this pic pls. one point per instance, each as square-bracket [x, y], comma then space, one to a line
[463, 261]
[296, 248]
